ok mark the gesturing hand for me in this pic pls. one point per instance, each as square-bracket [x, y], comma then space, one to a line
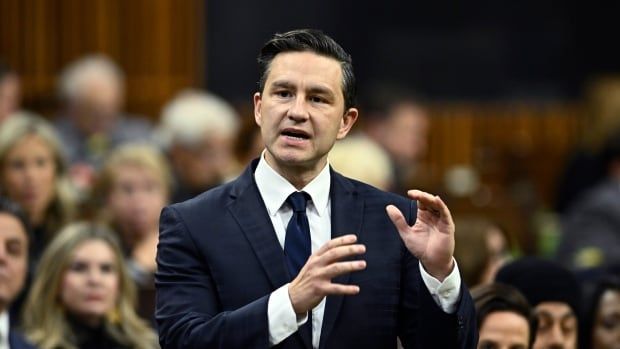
[431, 238]
[314, 280]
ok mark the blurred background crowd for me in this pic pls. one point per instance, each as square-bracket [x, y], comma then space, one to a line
[110, 110]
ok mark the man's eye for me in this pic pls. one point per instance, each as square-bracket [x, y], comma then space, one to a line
[283, 94]
[317, 99]
[487, 345]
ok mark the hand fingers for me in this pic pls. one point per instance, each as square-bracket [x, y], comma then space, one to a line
[339, 241]
[336, 269]
[428, 202]
[397, 218]
[444, 210]
[340, 252]
[341, 289]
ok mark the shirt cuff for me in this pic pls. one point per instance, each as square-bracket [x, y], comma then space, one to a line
[281, 316]
[447, 293]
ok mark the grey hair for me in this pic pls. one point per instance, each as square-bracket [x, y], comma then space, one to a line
[97, 66]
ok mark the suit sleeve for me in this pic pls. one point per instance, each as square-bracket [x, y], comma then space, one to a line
[187, 308]
[422, 323]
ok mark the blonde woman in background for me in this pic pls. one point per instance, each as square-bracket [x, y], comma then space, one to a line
[33, 173]
[134, 185]
[82, 295]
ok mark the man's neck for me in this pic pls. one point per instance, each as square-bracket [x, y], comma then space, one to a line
[298, 176]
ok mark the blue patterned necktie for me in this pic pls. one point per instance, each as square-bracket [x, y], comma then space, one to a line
[297, 246]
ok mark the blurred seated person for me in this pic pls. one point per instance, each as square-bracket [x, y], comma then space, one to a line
[9, 92]
[585, 166]
[591, 228]
[82, 295]
[92, 122]
[479, 265]
[554, 293]
[601, 328]
[360, 158]
[198, 131]
[505, 318]
[249, 143]
[400, 124]
[33, 173]
[134, 186]
[14, 240]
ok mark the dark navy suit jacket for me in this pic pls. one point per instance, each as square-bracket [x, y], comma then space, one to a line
[219, 260]
[16, 341]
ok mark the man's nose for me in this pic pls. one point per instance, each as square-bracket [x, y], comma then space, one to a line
[2, 254]
[556, 337]
[299, 109]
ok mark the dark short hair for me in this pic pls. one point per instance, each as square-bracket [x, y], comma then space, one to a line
[11, 208]
[500, 297]
[311, 40]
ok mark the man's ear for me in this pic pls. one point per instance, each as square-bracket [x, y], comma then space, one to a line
[257, 106]
[348, 119]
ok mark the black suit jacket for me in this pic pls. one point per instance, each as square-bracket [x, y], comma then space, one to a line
[219, 260]
[16, 341]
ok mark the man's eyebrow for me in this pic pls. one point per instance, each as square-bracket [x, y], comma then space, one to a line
[320, 90]
[282, 84]
[543, 313]
[568, 315]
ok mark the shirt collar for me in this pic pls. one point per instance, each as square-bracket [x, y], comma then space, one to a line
[275, 189]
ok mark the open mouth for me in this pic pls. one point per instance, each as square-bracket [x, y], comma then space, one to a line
[298, 134]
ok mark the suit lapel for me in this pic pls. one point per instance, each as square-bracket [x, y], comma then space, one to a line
[250, 212]
[346, 214]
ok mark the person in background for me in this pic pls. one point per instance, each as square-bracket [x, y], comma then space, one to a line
[249, 143]
[493, 250]
[601, 325]
[555, 294]
[505, 318]
[10, 92]
[82, 295]
[92, 122]
[399, 122]
[360, 158]
[591, 227]
[14, 241]
[133, 187]
[198, 131]
[585, 166]
[33, 173]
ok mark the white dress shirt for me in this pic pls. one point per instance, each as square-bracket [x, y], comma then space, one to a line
[4, 330]
[274, 189]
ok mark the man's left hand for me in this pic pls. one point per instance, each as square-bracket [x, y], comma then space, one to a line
[431, 238]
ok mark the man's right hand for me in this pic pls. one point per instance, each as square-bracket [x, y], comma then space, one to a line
[314, 280]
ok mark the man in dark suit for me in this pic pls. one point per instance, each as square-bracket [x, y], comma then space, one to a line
[14, 242]
[294, 255]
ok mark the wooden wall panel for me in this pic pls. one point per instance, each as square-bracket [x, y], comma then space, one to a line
[158, 43]
[518, 151]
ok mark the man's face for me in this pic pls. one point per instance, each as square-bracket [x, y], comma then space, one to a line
[557, 326]
[301, 111]
[96, 108]
[13, 258]
[406, 133]
[204, 164]
[504, 330]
